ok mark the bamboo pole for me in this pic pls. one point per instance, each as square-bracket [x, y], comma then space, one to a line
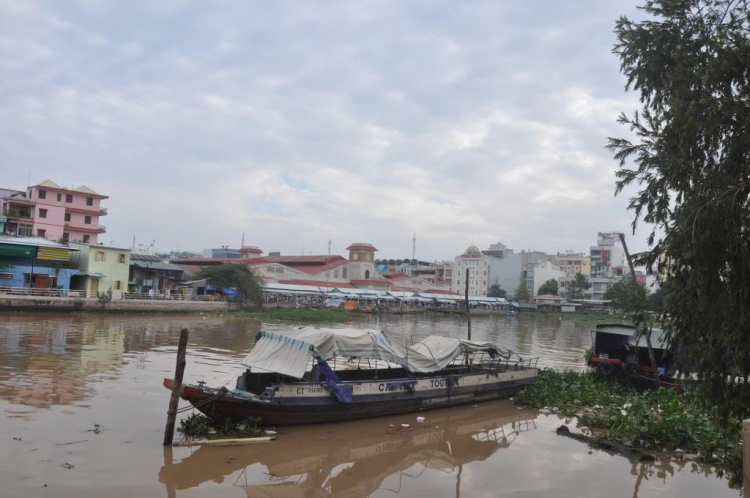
[746, 456]
[641, 309]
[174, 400]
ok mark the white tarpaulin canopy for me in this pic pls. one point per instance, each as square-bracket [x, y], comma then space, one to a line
[290, 352]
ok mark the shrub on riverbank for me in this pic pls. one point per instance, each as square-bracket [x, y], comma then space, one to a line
[659, 421]
[300, 315]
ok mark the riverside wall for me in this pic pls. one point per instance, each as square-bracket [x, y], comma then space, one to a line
[41, 303]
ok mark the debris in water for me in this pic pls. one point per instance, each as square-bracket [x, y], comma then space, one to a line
[66, 465]
[72, 442]
[420, 420]
[405, 425]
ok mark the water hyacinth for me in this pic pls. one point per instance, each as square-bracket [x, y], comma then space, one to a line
[662, 420]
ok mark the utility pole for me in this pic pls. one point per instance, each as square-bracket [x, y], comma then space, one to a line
[413, 253]
[641, 314]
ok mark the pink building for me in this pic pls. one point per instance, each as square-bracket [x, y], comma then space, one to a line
[61, 213]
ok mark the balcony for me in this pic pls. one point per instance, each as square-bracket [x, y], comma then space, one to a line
[102, 211]
[85, 228]
[14, 214]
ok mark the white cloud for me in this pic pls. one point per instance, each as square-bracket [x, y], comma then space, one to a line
[462, 122]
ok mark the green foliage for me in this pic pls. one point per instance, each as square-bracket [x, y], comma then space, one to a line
[496, 291]
[577, 287]
[241, 278]
[522, 292]
[104, 298]
[622, 295]
[549, 287]
[662, 420]
[689, 160]
[197, 425]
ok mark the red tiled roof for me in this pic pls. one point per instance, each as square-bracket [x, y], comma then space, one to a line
[308, 264]
[396, 276]
[361, 247]
[317, 284]
[381, 283]
[405, 289]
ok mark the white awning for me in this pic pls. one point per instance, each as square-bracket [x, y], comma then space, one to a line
[289, 353]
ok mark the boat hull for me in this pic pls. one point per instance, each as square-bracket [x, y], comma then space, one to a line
[307, 403]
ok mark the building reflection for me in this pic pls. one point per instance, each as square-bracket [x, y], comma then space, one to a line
[357, 466]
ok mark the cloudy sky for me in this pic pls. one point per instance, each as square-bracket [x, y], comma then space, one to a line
[476, 121]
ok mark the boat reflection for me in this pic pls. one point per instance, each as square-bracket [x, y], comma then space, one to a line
[304, 463]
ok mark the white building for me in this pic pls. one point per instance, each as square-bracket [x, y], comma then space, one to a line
[474, 266]
[497, 265]
[538, 273]
[607, 255]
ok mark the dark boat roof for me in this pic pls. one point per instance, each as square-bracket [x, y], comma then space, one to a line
[658, 339]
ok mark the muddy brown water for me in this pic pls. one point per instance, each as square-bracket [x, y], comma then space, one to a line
[62, 376]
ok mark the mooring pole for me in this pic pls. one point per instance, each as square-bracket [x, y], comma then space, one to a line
[746, 456]
[468, 307]
[174, 400]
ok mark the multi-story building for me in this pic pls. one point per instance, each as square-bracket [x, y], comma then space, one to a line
[65, 214]
[538, 273]
[505, 267]
[607, 255]
[223, 252]
[436, 274]
[473, 266]
[498, 265]
[598, 286]
[53, 212]
[573, 263]
[34, 262]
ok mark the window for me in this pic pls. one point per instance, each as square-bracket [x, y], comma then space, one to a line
[67, 216]
[42, 213]
[59, 197]
[279, 269]
[335, 274]
[30, 193]
[68, 198]
[87, 220]
[118, 285]
[41, 233]
[86, 239]
[122, 258]
[100, 256]
[343, 272]
[89, 201]
[66, 236]
[270, 269]
[42, 194]
[6, 275]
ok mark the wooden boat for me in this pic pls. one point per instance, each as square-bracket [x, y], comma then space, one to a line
[289, 380]
[618, 351]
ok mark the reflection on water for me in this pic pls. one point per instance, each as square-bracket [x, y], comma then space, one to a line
[356, 458]
[60, 374]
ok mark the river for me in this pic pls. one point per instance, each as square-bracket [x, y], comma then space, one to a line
[83, 414]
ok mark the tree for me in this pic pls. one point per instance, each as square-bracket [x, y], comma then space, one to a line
[622, 296]
[239, 277]
[577, 287]
[689, 158]
[496, 291]
[549, 287]
[522, 292]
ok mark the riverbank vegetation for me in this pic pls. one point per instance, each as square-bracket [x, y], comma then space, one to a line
[658, 421]
[199, 426]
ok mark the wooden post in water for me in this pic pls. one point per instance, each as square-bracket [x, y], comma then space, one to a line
[174, 400]
[468, 308]
[746, 456]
